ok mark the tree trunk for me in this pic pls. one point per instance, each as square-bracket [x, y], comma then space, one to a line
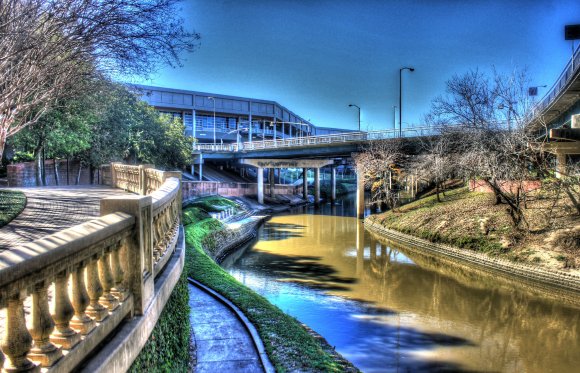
[2, 143]
[42, 165]
[38, 163]
[56, 178]
[78, 180]
[437, 191]
[67, 170]
[91, 174]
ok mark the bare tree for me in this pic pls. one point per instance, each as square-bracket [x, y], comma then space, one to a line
[47, 46]
[380, 162]
[436, 162]
[493, 140]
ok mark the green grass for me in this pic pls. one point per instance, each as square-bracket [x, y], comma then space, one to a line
[11, 205]
[454, 221]
[167, 349]
[288, 344]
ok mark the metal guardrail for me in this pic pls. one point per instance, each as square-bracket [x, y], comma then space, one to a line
[309, 141]
[565, 77]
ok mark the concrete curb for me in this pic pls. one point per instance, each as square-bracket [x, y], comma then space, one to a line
[550, 280]
[264, 360]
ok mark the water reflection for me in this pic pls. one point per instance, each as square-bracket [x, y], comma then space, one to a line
[390, 309]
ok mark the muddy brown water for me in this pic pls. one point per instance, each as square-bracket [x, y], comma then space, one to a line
[390, 309]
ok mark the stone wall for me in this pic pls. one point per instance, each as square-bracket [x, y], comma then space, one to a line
[220, 244]
[24, 174]
[204, 188]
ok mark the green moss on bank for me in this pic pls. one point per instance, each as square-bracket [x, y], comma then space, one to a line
[12, 203]
[168, 347]
[288, 344]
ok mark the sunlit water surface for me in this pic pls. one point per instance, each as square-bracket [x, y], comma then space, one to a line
[388, 309]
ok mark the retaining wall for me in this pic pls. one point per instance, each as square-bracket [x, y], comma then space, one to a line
[204, 188]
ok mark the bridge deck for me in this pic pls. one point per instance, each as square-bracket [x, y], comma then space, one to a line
[51, 209]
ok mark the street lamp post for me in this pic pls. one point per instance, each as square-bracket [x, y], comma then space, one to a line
[213, 99]
[411, 69]
[356, 106]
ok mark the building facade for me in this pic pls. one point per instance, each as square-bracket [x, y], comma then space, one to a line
[217, 118]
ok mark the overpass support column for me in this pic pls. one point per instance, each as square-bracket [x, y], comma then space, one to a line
[304, 183]
[360, 193]
[560, 164]
[317, 186]
[260, 175]
[332, 184]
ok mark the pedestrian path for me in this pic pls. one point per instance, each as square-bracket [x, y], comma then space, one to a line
[51, 209]
[222, 342]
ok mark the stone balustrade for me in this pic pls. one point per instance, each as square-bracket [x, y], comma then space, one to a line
[64, 294]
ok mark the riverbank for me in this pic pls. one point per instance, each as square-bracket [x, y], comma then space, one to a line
[467, 226]
[289, 344]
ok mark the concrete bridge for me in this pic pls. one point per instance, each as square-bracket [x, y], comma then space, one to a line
[106, 279]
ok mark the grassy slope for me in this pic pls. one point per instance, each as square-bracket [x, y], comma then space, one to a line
[168, 349]
[11, 204]
[288, 343]
[456, 221]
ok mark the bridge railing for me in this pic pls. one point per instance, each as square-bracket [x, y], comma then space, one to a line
[93, 276]
[305, 141]
[565, 77]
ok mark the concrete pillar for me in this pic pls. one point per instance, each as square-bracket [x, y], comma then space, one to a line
[332, 184]
[260, 174]
[139, 250]
[305, 183]
[317, 186]
[560, 164]
[360, 194]
[250, 124]
[200, 171]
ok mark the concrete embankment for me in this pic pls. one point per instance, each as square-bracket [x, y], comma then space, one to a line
[555, 283]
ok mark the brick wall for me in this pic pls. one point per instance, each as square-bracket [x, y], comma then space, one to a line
[24, 174]
[510, 186]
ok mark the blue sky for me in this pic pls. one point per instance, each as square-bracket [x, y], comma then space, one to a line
[316, 57]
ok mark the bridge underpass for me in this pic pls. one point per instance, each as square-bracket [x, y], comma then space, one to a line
[311, 152]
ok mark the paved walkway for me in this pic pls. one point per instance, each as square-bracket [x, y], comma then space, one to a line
[223, 344]
[50, 209]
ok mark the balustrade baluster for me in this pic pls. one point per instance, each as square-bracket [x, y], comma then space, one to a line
[43, 350]
[119, 289]
[63, 313]
[106, 278]
[80, 300]
[17, 340]
[95, 290]
[156, 238]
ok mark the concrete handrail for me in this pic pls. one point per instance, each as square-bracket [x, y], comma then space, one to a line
[108, 265]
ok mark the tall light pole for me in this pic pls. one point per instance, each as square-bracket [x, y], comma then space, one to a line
[356, 106]
[401, 97]
[213, 99]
